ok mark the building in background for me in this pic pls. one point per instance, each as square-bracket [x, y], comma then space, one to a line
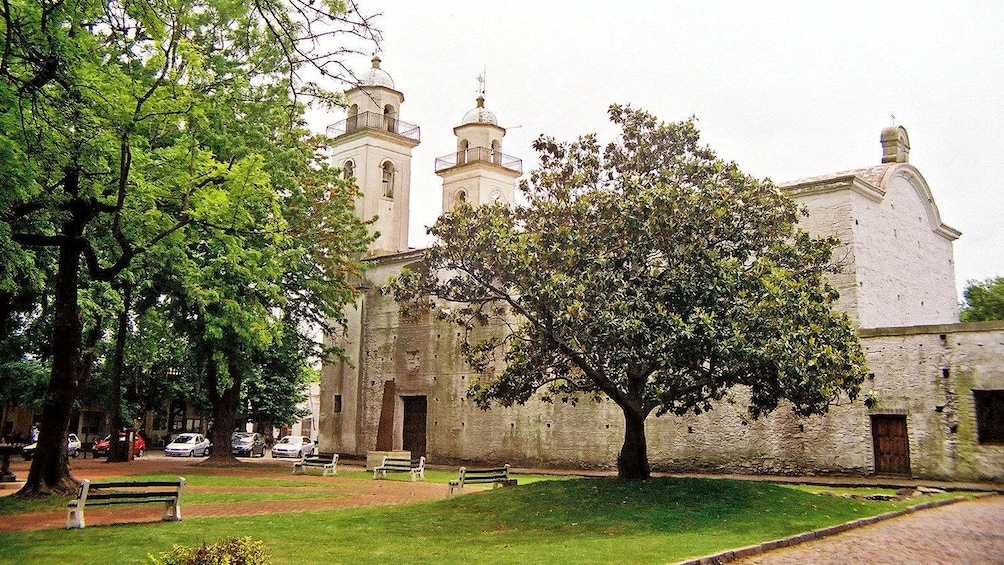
[932, 406]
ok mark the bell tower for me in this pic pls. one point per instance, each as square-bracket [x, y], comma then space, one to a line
[478, 172]
[373, 145]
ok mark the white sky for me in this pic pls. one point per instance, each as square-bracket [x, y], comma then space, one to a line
[786, 89]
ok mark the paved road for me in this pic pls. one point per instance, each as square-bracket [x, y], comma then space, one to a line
[963, 533]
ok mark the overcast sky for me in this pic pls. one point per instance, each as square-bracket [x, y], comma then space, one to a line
[786, 89]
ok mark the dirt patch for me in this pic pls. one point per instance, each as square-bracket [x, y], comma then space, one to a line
[353, 494]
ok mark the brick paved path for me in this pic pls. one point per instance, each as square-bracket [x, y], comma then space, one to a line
[963, 533]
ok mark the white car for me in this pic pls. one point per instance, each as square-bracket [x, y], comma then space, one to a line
[72, 448]
[188, 445]
[293, 446]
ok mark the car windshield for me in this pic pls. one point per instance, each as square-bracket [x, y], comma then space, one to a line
[185, 439]
[290, 439]
[240, 436]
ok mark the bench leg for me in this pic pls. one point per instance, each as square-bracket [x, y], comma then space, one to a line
[329, 470]
[298, 469]
[74, 517]
[172, 511]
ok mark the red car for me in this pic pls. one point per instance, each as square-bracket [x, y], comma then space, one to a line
[100, 448]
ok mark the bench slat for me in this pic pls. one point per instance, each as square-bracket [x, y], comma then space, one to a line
[129, 495]
[120, 501]
[134, 484]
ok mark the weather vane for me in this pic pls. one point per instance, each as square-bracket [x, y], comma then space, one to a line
[481, 82]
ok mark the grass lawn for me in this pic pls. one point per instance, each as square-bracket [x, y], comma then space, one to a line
[575, 521]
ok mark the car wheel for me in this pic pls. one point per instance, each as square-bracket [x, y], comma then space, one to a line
[191, 453]
[263, 455]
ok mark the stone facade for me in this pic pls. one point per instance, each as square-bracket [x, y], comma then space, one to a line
[406, 380]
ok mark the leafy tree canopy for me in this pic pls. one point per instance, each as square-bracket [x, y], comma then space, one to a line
[984, 301]
[126, 127]
[650, 272]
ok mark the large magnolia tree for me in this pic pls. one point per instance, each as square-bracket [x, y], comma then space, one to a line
[112, 146]
[651, 272]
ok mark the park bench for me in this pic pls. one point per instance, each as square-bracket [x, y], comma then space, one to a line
[497, 476]
[327, 461]
[401, 465]
[126, 492]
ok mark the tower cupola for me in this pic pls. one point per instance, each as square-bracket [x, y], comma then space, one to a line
[373, 146]
[478, 172]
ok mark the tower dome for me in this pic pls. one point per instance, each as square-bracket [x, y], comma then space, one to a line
[480, 115]
[376, 76]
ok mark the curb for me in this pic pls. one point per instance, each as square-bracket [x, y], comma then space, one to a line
[760, 548]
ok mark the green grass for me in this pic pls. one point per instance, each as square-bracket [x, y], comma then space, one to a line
[577, 521]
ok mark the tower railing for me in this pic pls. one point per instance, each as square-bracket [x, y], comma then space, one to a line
[374, 121]
[483, 154]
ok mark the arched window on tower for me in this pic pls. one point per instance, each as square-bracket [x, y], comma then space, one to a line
[390, 118]
[462, 148]
[348, 169]
[459, 198]
[352, 123]
[387, 177]
[496, 152]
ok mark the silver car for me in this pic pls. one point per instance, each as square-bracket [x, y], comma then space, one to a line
[188, 445]
[293, 446]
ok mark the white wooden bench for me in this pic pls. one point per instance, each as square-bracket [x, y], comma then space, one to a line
[401, 465]
[126, 492]
[497, 476]
[327, 461]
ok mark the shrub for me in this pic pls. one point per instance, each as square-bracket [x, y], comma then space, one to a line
[233, 551]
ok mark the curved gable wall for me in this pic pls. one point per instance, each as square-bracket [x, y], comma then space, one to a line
[905, 272]
[896, 255]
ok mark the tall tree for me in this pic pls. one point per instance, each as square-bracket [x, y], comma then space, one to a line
[984, 301]
[102, 107]
[653, 273]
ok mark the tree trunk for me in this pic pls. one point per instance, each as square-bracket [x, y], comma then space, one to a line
[632, 461]
[225, 406]
[49, 473]
[118, 451]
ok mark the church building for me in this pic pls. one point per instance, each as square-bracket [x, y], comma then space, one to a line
[932, 406]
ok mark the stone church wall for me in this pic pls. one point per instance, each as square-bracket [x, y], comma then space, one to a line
[424, 359]
[929, 373]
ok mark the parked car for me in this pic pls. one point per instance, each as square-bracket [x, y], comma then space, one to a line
[72, 447]
[188, 445]
[293, 446]
[100, 448]
[247, 443]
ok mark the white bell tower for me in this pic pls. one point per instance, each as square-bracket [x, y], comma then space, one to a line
[478, 172]
[373, 145]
